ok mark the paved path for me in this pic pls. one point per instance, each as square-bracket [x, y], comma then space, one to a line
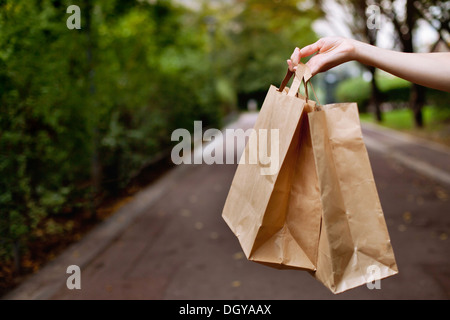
[171, 242]
[426, 157]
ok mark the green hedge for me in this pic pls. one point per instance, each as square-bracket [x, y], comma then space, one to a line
[393, 89]
[357, 90]
[354, 90]
[109, 96]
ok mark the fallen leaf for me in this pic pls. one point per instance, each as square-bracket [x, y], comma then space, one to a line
[185, 213]
[214, 235]
[238, 256]
[441, 194]
[407, 217]
[198, 225]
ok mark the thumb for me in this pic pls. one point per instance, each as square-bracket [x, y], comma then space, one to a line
[313, 66]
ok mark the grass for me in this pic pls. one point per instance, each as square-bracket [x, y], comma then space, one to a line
[436, 123]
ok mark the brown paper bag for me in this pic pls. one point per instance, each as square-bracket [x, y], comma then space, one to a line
[354, 240]
[274, 225]
[320, 211]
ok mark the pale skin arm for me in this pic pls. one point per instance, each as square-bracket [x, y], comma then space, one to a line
[428, 69]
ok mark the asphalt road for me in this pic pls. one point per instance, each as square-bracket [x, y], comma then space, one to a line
[172, 243]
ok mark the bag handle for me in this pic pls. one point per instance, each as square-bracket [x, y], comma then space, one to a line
[302, 74]
[286, 79]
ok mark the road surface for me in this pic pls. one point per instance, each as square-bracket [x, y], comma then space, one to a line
[172, 243]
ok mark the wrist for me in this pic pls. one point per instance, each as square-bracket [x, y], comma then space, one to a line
[358, 50]
[364, 52]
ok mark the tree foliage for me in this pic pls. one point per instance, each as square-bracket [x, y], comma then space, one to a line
[108, 95]
[81, 111]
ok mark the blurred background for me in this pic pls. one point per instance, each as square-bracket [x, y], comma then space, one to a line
[86, 115]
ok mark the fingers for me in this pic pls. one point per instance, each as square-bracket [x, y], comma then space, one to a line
[317, 64]
[304, 52]
[311, 49]
[294, 60]
[291, 65]
[332, 51]
[295, 57]
[313, 68]
[321, 63]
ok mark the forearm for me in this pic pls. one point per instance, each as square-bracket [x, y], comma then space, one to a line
[427, 69]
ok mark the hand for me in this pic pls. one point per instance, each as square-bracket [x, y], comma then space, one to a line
[430, 69]
[332, 51]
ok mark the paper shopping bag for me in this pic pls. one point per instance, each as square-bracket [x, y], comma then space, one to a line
[354, 245]
[320, 211]
[273, 224]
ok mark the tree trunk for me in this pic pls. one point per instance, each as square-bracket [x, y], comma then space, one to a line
[417, 96]
[404, 30]
[417, 101]
[96, 168]
[375, 97]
